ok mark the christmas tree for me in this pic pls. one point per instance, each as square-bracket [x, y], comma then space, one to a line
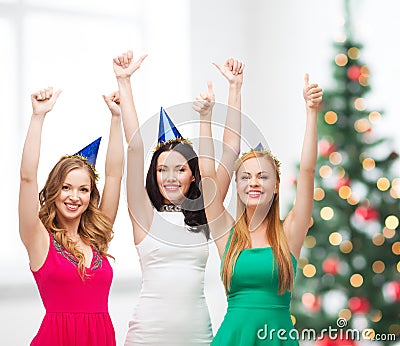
[348, 272]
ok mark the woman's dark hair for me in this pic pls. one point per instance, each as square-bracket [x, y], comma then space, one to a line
[193, 206]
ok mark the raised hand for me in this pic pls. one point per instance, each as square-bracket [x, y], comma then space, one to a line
[204, 103]
[112, 102]
[232, 70]
[312, 93]
[124, 65]
[44, 100]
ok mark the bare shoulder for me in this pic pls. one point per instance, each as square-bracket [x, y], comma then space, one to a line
[141, 223]
[38, 247]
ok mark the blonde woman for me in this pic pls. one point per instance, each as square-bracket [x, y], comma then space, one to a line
[67, 238]
[258, 253]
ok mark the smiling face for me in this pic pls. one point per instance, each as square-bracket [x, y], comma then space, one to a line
[74, 196]
[256, 181]
[173, 176]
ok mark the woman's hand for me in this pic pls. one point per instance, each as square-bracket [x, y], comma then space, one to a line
[204, 103]
[125, 66]
[112, 102]
[44, 100]
[232, 71]
[312, 94]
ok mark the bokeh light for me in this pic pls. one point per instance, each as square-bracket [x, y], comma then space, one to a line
[394, 329]
[388, 233]
[330, 117]
[378, 239]
[353, 199]
[344, 192]
[345, 313]
[376, 315]
[392, 222]
[335, 158]
[346, 246]
[309, 270]
[362, 125]
[335, 238]
[319, 194]
[327, 213]
[325, 171]
[356, 280]
[396, 248]
[378, 267]
[341, 59]
[375, 117]
[310, 242]
[383, 184]
[359, 104]
[368, 164]
[353, 53]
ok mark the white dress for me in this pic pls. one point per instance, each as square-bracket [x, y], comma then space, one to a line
[172, 308]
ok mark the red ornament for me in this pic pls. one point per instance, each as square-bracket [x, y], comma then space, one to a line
[365, 213]
[326, 341]
[342, 182]
[354, 72]
[392, 291]
[326, 148]
[359, 305]
[331, 266]
[311, 302]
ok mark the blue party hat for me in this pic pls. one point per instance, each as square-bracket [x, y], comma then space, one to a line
[90, 151]
[167, 131]
[259, 147]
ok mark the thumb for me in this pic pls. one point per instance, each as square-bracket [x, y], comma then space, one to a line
[306, 79]
[210, 88]
[144, 56]
[106, 99]
[218, 66]
[58, 92]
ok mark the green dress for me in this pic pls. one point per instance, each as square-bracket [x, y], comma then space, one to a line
[256, 314]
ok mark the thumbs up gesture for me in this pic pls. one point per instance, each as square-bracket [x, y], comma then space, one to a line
[312, 93]
[205, 101]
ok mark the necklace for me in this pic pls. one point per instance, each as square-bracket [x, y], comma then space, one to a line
[171, 208]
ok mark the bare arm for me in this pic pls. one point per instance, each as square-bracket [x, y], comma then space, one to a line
[219, 220]
[139, 204]
[32, 232]
[297, 223]
[114, 166]
[233, 72]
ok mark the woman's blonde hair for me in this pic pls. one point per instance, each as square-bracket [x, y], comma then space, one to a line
[240, 238]
[95, 227]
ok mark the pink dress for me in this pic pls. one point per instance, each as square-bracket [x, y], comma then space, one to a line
[76, 310]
